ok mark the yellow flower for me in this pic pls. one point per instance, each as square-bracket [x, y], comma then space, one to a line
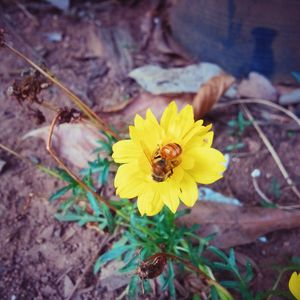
[158, 177]
[294, 285]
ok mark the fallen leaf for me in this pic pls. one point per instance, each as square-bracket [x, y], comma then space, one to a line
[117, 107]
[157, 80]
[235, 225]
[74, 142]
[210, 93]
[257, 86]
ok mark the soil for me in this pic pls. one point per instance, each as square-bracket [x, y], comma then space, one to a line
[41, 258]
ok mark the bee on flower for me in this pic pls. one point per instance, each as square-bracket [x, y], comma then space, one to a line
[294, 285]
[162, 163]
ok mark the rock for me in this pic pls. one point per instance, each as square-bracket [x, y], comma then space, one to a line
[54, 37]
[257, 86]
[158, 80]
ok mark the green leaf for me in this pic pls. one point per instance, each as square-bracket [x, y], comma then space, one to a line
[94, 203]
[147, 287]
[133, 284]
[182, 212]
[65, 176]
[249, 272]
[110, 255]
[130, 266]
[104, 174]
[218, 252]
[69, 217]
[171, 280]
[231, 259]
[59, 193]
[231, 284]
[214, 293]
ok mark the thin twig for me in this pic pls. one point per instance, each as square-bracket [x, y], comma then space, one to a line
[271, 150]
[90, 113]
[263, 102]
[64, 167]
[38, 165]
[268, 200]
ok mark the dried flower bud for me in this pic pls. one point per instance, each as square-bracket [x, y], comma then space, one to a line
[152, 266]
[28, 87]
[69, 115]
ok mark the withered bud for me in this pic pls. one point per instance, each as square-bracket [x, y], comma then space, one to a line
[1, 37]
[69, 115]
[28, 87]
[152, 266]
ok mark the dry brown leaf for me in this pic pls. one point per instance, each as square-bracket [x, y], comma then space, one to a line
[210, 93]
[74, 142]
[117, 107]
[235, 225]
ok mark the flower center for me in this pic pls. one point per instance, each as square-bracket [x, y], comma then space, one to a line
[164, 160]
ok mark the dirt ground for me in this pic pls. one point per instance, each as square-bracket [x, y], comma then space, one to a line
[41, 258]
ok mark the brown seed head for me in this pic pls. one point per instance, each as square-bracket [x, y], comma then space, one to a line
[152, 267]
[69, 115]
[28, 87]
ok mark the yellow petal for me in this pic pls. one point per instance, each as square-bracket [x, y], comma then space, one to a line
[151, 118]
[149, 203]
[170, 194]
[125, 151]
[189, 190]
[209, 165]
[168, 116]
[294, 285]
[196, 130]
[204, 140]
[128, 181]
[185, 120]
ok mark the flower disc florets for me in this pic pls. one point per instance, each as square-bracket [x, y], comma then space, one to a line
[163, 162]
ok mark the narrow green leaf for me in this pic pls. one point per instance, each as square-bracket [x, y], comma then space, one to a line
[133, 287]
[110, 255]
[231, 284]
[109, 217]
[249, 272]
[171, 280]
[214, 293]
[130, 266]
[94, 203]
[218, 252]
[231, 259]
[59, 193]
